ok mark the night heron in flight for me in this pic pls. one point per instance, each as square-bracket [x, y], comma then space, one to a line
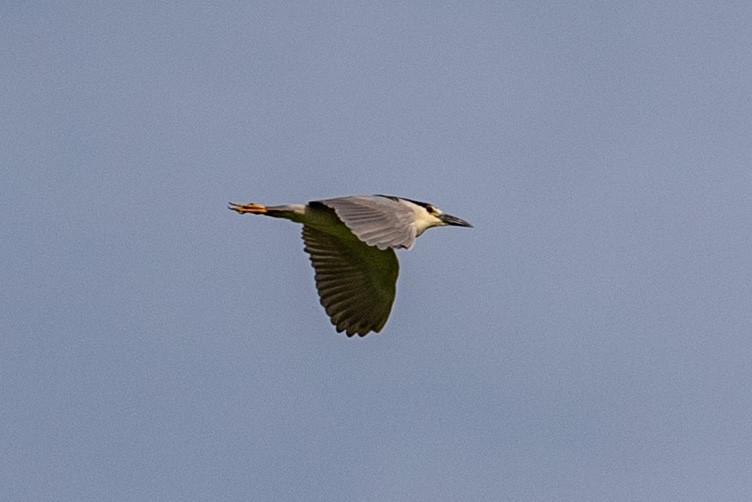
[351, 241]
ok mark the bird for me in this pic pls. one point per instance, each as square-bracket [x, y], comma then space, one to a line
[351, 242]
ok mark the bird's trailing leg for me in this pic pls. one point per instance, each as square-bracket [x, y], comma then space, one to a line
[294, 212]
[251, 207]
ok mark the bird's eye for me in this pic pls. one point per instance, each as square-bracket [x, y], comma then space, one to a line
[430, 209]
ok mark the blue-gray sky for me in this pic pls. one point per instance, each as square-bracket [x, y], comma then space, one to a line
[589, 339]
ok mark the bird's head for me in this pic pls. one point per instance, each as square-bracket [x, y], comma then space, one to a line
[427, 216]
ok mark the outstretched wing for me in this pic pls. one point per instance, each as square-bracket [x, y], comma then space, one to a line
[356, 282]
[376, 220]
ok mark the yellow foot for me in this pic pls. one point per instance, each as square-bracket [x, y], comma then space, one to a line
[248, 208]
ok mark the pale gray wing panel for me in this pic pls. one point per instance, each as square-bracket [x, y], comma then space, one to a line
[377, 221]
[356, 282]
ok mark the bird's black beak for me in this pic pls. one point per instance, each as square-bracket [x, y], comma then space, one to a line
[453, 220]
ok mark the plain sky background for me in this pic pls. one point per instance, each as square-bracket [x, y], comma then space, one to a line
[589, 339]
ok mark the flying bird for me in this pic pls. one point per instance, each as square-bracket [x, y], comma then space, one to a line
[351, 242]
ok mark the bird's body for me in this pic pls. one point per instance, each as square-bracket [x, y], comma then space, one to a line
[351, 242]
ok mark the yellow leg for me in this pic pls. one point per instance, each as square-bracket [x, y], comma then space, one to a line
[248, 208]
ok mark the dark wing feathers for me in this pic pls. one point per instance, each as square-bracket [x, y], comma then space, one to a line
[356, 282]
